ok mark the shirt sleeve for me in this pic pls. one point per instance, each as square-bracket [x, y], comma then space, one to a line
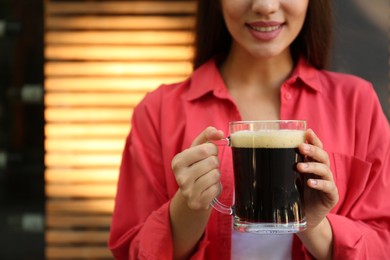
[361, 225]
[140, 227]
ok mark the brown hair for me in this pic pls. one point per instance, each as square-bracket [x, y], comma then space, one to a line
[313, 42]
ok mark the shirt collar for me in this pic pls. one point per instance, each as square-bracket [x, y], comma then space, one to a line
[307, 74]
[207, 79]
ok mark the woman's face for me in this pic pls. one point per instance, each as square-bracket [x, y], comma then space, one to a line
[264, 28]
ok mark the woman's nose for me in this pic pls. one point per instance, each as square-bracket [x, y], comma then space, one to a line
[265, 7]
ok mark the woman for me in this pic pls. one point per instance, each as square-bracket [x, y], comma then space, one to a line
[254, 60]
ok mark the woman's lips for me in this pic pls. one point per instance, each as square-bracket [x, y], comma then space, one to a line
[265, 31]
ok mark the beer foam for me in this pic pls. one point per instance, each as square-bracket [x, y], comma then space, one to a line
[267, 138]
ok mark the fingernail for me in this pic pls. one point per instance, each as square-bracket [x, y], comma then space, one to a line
[305, 165]
[313, 182]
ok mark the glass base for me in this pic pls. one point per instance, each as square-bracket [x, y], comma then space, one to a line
[269, 228]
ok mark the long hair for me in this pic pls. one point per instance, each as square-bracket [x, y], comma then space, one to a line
[313, 42]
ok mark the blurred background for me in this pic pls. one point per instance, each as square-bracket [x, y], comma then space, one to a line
[21, 130]
[70, 74]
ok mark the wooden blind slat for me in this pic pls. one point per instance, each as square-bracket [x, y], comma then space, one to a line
[73, 207]
[90, 175]
[93, 99]
[119, 37]
[63, 237]
[85, 144]
[82, 160]
[178, 68]
[81, 190]
[129, 7]
[78, 252]
[87, 115]
[80, 130]
[119, 23]
[54, 221]
[117, 84]
[125, 53]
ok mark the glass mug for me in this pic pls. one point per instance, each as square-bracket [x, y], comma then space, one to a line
[268, 190]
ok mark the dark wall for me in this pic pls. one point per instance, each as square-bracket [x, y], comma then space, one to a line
[21, 130]
[361, 45]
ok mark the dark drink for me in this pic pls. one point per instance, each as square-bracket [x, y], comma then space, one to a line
[267, 187]
[268, 191]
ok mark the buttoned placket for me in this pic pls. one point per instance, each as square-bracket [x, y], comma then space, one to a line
[286, 100]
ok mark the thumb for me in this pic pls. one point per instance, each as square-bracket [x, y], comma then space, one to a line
[210, 133]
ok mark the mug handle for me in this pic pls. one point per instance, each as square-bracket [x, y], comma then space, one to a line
[215, 203]
[220, 207]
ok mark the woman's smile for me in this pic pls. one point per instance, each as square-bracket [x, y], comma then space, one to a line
[265, 31]
[264, 26]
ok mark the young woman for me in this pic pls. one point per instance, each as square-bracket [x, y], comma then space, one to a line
[255, 60]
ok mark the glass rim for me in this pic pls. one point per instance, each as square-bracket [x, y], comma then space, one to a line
[267, 121]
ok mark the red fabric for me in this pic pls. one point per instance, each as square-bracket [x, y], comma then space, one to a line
[344, 112]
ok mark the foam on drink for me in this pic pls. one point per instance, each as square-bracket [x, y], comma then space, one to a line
[267, 138]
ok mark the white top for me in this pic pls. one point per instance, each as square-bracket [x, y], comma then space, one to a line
[247, 246]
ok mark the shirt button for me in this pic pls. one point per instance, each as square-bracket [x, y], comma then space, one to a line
[287, 95]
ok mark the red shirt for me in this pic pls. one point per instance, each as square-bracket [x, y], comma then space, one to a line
[342, 109]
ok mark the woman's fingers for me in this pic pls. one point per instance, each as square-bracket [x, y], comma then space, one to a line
[313, 150]
[210, 133]
[205, 189]
[323, 179]
[200, 183]
[328, 187]
[194, 154]
[313, 139]
[319, 169]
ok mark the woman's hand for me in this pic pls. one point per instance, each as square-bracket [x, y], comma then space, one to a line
[322, 195]
[196, 170]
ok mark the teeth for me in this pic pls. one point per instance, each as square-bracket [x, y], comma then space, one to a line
[265, 29]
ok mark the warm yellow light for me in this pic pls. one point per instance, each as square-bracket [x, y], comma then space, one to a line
[101, 58]
[120, 23]
[107, 84]
[82, 160]
[86, 115]
[78, 221]
[97, 69]
[176, 38]
[81, 190]
[78, 252]
[80, 175]
[93, 99]
[80, 130]
[85, 207]
[84, 145]
[144, 7]
[166, 53]
[76, 236]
